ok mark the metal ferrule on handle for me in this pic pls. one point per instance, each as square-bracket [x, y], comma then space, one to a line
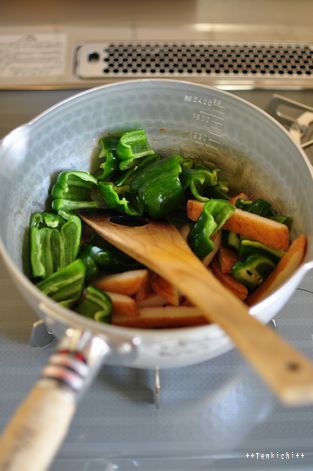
[40, 424]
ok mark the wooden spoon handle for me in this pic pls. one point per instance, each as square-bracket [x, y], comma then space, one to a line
[160, 247]
[287, 372]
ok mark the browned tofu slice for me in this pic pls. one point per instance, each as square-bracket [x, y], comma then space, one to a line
[165, 289]
[226, 259]
[153, 300]
[128, 282]
[217, 238]
[162, 317]
[123, 305]
[237, 288]
[264, 230]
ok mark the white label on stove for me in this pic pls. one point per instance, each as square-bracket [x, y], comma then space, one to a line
[32, 55]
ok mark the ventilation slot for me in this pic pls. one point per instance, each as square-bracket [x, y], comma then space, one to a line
[96, 60]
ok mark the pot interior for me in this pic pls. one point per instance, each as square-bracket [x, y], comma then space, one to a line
[256, 154]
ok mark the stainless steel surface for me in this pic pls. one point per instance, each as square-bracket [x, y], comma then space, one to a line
[157, 388]
[234, 64]
[298, 119]
[28, 35]
[211, 414]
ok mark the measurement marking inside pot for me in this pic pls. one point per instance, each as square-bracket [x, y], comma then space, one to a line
[211, 115]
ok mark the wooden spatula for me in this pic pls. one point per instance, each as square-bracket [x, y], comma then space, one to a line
[160, 247]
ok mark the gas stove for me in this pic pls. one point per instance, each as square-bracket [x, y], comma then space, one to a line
[216, 415]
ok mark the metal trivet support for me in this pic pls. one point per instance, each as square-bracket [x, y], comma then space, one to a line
[40, 335]
[157, 388]
[297, 118]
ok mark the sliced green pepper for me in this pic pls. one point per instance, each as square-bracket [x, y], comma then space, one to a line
[287, 220]
[252, 247]
[197, 180]
[253, 271]
[231, 239]
[258, 206]
[96, 305]
[73, 190]
[115, 197]
[104, 257]
[126, 177]
[131, 146]
[87, 255]
[65, 285]
[108, 152]
[158, 186]
[214, 215]
[54, 242]
[219, 191]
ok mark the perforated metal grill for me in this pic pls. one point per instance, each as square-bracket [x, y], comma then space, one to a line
[195, 59]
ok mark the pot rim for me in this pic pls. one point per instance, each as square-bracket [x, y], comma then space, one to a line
[67, 316]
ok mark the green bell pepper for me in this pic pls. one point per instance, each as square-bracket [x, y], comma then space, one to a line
[65, 286]
[253, 270]
[104, 257]
[197, 180]
[258, 206]
[287, 220]
[214, 215]
[116, 197]
[54, 242]
[252, 247]
[219, 191]
[126, 177]
[158, 187]
[108, 152]
[231, 239]
[96, 305]
[73, 190]
[131, 146]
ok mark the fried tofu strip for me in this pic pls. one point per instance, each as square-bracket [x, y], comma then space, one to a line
[162, 317]
[217, 238]
[194, 209]
[153, 300]
[164, 289]
[144, 290]
[123, 305]
[128, 282]
[285, 267]
[237, 288]
[226, 259]
[264, 230]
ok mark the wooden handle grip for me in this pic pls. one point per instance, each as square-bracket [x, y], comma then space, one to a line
[37, 429]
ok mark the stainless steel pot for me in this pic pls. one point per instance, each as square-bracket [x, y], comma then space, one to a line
[256, 153]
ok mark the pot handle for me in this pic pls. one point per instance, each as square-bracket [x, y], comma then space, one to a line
[297, 127]
[41, 422]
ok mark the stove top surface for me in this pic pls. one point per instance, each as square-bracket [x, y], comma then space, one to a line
[215, 415]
